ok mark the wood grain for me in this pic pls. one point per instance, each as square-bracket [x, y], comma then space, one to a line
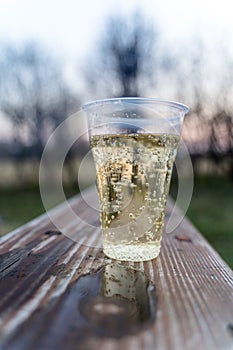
[46, 278]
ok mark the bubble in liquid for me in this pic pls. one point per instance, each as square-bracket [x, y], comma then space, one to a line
[132, 216]
[115, 167]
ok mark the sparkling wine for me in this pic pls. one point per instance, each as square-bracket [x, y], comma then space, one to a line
[133, 178]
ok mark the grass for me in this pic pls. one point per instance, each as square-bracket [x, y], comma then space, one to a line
[210, 211]
[18, 206]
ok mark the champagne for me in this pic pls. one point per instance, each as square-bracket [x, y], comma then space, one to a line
[133, 178]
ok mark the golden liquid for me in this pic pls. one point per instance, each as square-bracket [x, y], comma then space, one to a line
[133, 177]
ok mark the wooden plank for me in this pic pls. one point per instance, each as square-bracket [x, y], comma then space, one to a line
[56, 293]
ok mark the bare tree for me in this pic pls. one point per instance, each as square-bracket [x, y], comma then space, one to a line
[34, 95]
[124, 62]
[206, 85]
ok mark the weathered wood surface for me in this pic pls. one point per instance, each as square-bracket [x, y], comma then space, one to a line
[59, 294]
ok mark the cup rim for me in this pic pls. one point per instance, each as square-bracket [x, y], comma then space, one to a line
[136, 100]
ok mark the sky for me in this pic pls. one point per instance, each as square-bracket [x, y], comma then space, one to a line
[70, 28]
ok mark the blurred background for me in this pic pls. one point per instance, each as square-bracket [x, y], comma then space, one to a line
[55, 56]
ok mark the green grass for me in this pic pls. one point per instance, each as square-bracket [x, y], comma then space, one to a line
[211, 211]
[18, 206]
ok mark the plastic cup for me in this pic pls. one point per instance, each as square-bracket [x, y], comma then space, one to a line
[134, 143]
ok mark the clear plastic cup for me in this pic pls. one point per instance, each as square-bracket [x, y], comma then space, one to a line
[134, 143]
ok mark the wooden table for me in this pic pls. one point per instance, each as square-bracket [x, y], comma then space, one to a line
[59, 294]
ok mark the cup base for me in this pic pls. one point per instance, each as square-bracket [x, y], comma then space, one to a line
[134, 253]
